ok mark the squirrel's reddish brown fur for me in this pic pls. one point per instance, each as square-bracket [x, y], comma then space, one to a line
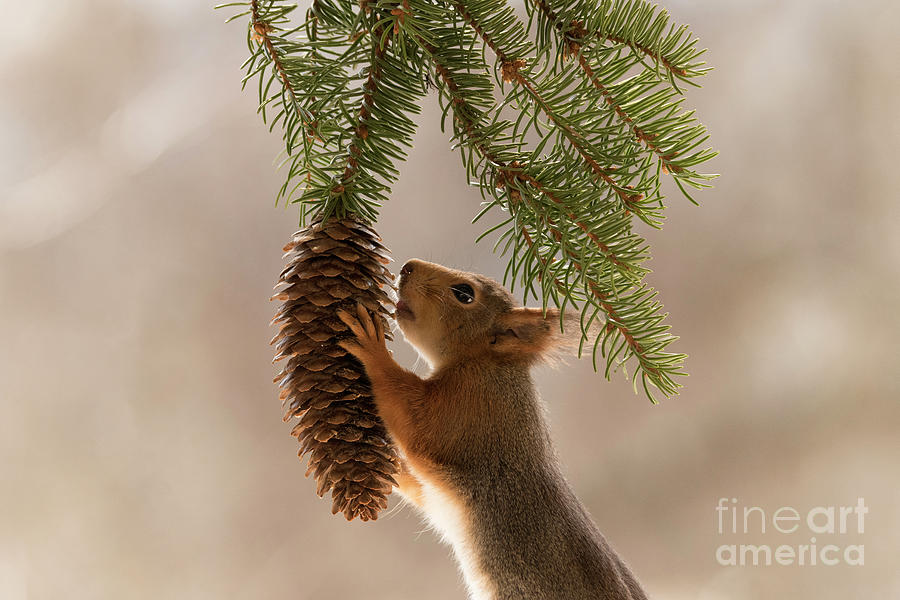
[477, 454]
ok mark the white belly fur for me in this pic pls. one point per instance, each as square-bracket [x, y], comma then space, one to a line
[446, 514]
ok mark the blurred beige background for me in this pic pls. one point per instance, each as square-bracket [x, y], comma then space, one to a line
[142, 450]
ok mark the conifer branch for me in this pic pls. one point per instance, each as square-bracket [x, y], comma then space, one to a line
[374, 122]
[572, 38]
[505, 174]
[630, 200]
[349, 79]
[507, 179]
[371, 92]
[643, 136]
[261, 30]
[270, 50]
[513, 65]
[357, 118]
[670, 138]
[635, 24]
[660, 377]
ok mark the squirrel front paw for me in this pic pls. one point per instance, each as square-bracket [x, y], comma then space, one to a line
[369, 347]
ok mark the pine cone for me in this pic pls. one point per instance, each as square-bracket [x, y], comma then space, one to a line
[334, 266]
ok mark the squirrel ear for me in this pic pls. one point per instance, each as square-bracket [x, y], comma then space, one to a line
[526, 332]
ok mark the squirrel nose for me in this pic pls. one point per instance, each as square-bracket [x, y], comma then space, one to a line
[407, 268]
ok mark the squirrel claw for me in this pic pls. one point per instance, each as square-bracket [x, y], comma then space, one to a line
[351, 347]
[351, 322]
[369, 333]
[366, 320]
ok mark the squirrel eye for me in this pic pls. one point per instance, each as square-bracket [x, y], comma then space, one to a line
[463, 292]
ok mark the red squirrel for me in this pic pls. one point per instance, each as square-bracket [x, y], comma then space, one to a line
[477, 454]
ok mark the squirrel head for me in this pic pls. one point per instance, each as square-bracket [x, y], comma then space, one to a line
[449, 315]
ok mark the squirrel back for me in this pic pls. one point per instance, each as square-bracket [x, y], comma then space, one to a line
[478, 458]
